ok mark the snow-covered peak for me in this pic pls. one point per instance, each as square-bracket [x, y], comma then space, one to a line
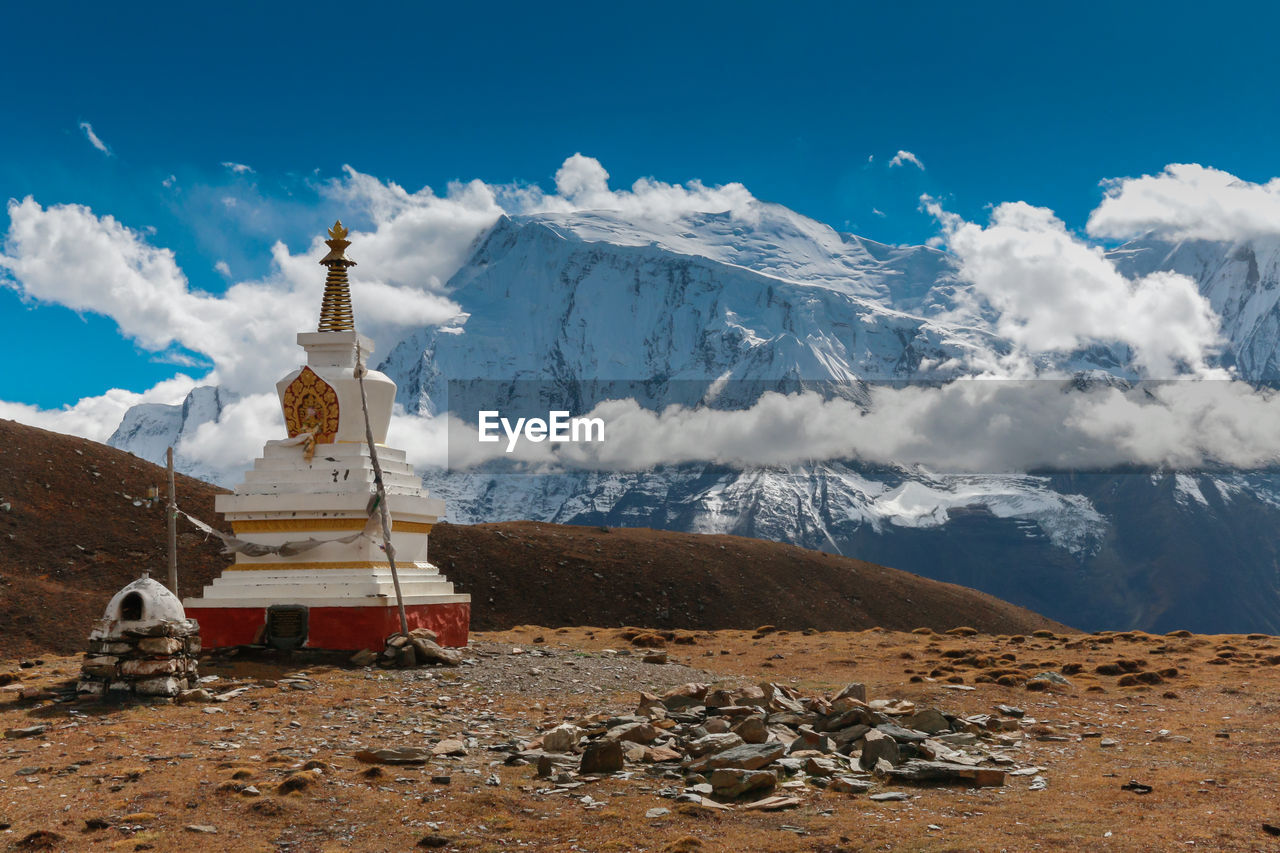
[777, 242]
[1242, 283]
[550, 298]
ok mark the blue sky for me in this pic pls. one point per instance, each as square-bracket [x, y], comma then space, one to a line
[999, 101]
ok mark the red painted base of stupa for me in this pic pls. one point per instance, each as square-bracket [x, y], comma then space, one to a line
[335, 628]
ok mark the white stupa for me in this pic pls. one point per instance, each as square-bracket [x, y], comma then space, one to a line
[319, 485]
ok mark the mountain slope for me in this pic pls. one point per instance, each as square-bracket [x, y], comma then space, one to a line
[75, 526]
[549, 574]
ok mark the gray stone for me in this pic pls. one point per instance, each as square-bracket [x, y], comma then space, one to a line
[397, 755]
[855, 690]
[958, 738]
[790, 766]
[930, 721]
[888, 797]
[845, 719]
[900, 734]
[601, 757]
[427, 651]
[776, 698]
[684, 696]
[752, 730]
[161, 645]
[199, 694]
[734, 782]
[166, 686]
[946, 771]
[364, 657]
[845, 738]
[563, 738]
[713, 743]
[29, 731]
[850, 785]
[877, 745]
[820, 766]
[450, 746]
[807, 738]
[151, 668]
[99, 667]
[1052, 677]
[749, 756]
[633, 733]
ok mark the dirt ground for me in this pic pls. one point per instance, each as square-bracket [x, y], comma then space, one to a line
[274, 769]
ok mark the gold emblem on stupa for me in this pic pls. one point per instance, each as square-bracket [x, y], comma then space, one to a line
[311, 407]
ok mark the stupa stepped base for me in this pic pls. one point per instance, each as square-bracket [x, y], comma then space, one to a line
[346, 465]
[345, 608]
[339, 628]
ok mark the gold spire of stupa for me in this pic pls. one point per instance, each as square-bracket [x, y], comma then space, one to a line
[335, 310]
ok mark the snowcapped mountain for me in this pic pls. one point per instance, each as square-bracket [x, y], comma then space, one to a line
[148, 429]
[585, 297]
[1241, 282]
[714, 309]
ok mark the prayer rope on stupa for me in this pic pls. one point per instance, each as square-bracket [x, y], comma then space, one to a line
[235, 545]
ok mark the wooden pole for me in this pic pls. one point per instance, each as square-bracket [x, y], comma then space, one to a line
[172, 518]
[382, 495]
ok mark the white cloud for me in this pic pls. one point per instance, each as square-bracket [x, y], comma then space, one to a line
[237, 168]
[583, 184]
[421, 239]
[970, 426]
[1054, 292]
[421, 437]
[223, 268]
[169, 181]
[583, 178]
[65, 254]
[97, 417]
[902, 158]
[1188, 201]
[87, 129]
[233, 441]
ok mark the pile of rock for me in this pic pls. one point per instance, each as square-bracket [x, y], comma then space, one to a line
[143, 645]
[730, 743]
[417, 648]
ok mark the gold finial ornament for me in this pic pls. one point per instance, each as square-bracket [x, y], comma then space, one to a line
[335, 310]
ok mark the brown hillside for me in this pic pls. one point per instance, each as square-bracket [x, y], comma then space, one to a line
[78, 527]
[72, 536]
[527, 572]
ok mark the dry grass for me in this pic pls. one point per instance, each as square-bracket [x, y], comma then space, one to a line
[148, 772]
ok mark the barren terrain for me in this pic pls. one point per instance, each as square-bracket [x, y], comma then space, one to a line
[1203, 739]
[1111, 741]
